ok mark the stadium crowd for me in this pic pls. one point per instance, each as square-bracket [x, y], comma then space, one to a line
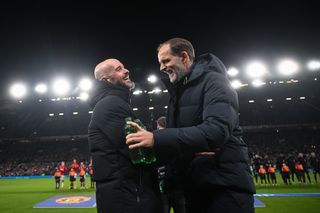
[32, 158]
[40, 158]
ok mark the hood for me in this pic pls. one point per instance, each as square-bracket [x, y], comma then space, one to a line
[103, 88]
[206, 63]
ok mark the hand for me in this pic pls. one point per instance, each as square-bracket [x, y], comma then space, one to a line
[142, 138]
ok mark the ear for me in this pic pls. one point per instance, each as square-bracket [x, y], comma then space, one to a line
[104, 79]
[185, 57]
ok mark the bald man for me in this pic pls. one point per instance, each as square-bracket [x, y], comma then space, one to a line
[121, 186]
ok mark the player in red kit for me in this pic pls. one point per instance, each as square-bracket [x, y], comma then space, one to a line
[63, 169]
[75, 166]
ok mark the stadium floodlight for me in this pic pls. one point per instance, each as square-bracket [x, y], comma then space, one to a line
[256, 70]
[41, 88]
[137, 92]
[85, 84]
[156, 90]
[288, 67]
[232, 71]
[61, 87]
[236, 84]
[152, 79]
[258, 83]
[84, 96]
[18, 90]
[313, 65]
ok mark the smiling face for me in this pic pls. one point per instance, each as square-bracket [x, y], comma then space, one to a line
[120, 75]
[113, 71]
[174, 66]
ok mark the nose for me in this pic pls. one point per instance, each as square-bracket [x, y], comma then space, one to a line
[162, 67]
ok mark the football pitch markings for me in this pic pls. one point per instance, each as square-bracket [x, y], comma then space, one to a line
[89, 201]
[69, 201]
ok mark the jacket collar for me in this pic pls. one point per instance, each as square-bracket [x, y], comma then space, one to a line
[103, 88]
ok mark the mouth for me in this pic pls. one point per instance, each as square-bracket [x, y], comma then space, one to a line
[127, 78]
[170, 73]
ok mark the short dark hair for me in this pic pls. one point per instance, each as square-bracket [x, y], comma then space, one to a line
[162, 121]
[178, 45]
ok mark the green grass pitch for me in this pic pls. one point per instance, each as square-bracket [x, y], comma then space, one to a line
[22, 194]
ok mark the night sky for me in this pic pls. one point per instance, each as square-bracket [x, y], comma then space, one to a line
[38, 43]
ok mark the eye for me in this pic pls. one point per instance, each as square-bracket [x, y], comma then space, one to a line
[118, 68]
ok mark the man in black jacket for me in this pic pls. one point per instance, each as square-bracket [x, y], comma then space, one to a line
[202, 132]
[121, 186]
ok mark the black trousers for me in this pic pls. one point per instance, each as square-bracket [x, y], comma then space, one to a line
[220, 200]
[174, 199]
[123, 196]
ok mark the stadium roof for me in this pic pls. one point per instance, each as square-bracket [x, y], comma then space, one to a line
[42, 42]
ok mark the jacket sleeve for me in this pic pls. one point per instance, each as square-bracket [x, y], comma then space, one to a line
[219, 118]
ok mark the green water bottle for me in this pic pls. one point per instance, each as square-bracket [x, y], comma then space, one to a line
[140, 155]
[136, 155]
[149, 153]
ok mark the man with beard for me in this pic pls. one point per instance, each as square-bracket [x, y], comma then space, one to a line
[121, 186]
[202, 133]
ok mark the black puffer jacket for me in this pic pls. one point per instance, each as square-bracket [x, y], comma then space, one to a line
[203, 116]
[124, 186]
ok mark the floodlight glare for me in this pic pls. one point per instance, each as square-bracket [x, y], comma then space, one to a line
[137, 92]
[288, 67]
[41, 88]
[61, 86]
[18, 90]
[85, 84]
[236, 84]
[232, 71]
[256, 69]
[156, 90]
[152, 79]
[313, 65]
[258, 83]
[84, 96]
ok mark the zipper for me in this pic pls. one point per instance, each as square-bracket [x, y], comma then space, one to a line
[140, 180]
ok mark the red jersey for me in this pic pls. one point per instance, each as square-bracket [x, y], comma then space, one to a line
[75, 167]
[62, 169]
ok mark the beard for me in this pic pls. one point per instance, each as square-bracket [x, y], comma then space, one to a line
[123, 83]
[127, 84]
[178, 75]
